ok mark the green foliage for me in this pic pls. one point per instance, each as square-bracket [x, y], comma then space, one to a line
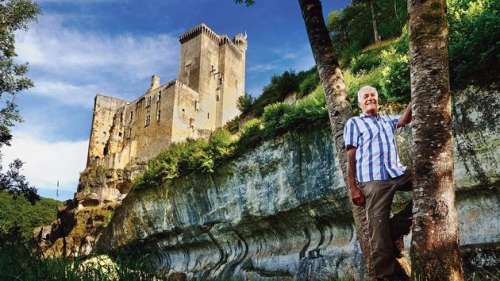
[288, 82]
[351, 27]
[280, 86]
[15, 15]
[186, 157]
[395, 84]
[251, 134]
[22, 214]
[245, 103]
[474, 41]
[309, 82]
[281, 117]
[364, 62]
[18, 262]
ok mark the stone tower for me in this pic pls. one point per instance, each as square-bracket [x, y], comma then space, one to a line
[214, 66]
[203, 98]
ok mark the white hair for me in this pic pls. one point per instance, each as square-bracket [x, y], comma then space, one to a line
[365, 89]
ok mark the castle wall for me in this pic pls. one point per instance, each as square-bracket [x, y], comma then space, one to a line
[102, 120]
[211, 79]
[232, 62]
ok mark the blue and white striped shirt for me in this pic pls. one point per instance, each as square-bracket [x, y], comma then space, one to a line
[376, 154]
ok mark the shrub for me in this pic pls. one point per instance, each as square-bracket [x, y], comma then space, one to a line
[474, 36]
[245, 103]
[274, 118]
[364, 62]
[251, 134]
[307, 111]
[186, 157]
[309, 83]
[395, 76]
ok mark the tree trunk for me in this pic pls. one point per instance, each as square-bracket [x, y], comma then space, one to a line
[339, 109]
[376, 36]
[434, 250]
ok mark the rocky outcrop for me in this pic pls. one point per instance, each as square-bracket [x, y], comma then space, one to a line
[80, 220]
[280, 211]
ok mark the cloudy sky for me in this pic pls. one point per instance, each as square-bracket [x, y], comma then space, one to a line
[79, 48]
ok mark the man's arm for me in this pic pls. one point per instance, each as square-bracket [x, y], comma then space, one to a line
[405, 118]
[357, 196]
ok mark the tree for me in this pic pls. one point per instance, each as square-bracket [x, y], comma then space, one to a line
[14, 15]
[245, 103]
[339, 109]
[434, 250]
[376, 36]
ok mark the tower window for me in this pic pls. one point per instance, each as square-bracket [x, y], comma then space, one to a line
[208, 115]
[147, 119]
[158, 111]
[216, 97]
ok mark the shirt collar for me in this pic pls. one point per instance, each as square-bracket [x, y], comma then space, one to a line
[362, 115]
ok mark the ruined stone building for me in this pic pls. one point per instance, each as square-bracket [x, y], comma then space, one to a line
[204, 97]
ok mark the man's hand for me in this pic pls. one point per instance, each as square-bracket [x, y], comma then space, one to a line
[405, 118]
[357, 196]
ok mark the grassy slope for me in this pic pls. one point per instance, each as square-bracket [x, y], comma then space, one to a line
[27, 216]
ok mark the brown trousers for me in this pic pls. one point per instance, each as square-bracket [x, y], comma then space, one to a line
[383, 230]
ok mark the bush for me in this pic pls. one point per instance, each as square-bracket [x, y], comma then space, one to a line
[364, 62]
[309, 83]
[251, 134]
[186, 157]
[395, 82]
[245, 103]
[308, 111]
[274, 118]
[474, 37]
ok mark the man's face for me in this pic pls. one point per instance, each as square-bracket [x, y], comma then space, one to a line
[369, 102]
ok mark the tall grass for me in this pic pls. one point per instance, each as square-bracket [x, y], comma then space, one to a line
[17, 262]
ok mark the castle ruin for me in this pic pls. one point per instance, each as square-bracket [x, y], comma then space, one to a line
[204, 97]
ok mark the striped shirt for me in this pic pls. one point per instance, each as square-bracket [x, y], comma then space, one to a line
[376, 154]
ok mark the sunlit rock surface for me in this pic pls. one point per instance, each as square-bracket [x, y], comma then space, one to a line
[280, 212]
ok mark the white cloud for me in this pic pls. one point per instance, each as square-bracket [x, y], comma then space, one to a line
[263, 67]
[297, 59]
[71, 62]
[67, 93]
[52, 47]
[46, 163]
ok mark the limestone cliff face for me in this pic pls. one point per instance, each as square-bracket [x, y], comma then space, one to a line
[280, 212]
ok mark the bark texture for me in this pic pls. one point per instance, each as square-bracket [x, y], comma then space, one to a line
[338, 106]
[434, 249]
[376, 36]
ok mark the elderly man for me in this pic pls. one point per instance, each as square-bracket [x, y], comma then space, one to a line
[374, 175]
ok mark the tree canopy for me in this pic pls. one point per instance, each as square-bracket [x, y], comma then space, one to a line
[14, 15]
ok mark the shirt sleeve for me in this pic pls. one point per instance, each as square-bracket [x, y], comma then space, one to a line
[351, 133]
[393, 120]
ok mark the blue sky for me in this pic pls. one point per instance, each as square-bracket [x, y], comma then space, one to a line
[79, 48]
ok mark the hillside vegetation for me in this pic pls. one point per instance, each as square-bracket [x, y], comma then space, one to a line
[22, 215]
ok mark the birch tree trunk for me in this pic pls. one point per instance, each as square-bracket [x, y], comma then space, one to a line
[376, 36]
[434, 250]
[339, 109]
